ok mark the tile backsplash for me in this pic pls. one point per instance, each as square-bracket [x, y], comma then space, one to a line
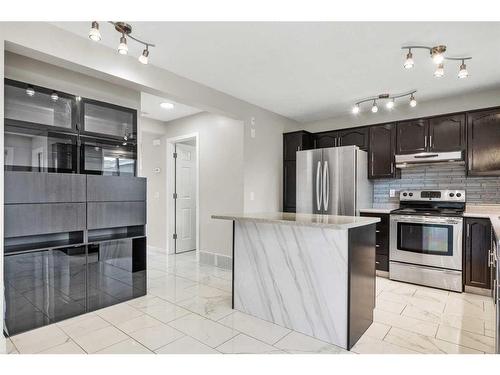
[479, 190]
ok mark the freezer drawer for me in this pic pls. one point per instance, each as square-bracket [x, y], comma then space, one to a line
[34, 219]
[115, 214]
[111, 188]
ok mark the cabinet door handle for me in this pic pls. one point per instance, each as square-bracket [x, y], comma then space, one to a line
[377, 231]
[430, 141]
[340, 141]
[425, 142]
[298, 148]
[377, 245]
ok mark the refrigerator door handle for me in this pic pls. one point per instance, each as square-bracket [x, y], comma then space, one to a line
[318, 186]
[326, 186]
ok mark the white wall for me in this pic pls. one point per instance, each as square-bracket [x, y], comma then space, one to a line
[154, 156]
[221, 174]
[476, 100]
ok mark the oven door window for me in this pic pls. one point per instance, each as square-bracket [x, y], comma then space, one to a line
[434, 239]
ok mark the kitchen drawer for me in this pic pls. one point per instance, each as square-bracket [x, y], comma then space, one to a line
[33, 187]
[115, 188]
[34, 219]
[115, 214]
[382, 262]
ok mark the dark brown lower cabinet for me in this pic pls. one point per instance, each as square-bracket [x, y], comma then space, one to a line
[289, 186]
[381, 241]
[477, 243]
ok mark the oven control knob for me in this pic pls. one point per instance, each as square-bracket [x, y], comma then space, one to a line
[459, 195]
[411, 194]
[453, 194]
[405, 194]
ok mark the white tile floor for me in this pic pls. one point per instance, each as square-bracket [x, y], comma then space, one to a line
[188, 310]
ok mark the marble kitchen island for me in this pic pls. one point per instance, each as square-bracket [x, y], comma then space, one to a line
[311, 273]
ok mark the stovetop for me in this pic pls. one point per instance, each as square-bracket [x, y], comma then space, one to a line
[428, 211]
[431, 203]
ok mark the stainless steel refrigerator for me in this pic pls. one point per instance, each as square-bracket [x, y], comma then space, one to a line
[333, 181]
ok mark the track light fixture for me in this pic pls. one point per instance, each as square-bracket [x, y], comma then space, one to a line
[438, 57]
[125, 30]
[30, 90]
[390, 104]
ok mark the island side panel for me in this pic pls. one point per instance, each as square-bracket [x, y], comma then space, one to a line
[295, 276]
[361, 281]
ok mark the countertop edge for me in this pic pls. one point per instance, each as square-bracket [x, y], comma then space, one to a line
[368, 221]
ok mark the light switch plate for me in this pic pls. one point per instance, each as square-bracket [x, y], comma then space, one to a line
[392, 193]
[252, 196]
[252, 133]
[156, 142]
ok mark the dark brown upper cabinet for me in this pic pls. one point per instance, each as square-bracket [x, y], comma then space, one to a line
[483, 143]
[382, 143]
[447, 133]
[412, 136]
[289, 185]
[477, 246]
[354, 137]
[296, 141]
[326, 139]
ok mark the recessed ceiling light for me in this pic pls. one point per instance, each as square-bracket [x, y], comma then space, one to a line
[166, 105]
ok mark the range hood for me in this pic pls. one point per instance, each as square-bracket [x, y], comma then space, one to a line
[427, 158]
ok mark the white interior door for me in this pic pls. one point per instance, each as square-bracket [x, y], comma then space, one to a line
[185, 204]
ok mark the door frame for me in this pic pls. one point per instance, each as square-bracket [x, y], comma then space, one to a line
[170, 204]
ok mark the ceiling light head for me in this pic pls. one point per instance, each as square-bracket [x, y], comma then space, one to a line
[413, 101]
[54, 96]
[166, 105]
[463, 73]
[355, 109]
[94, 33]
[437, 54]
[390, 104]
[122, 47]
[409, 60]
[30, 91]
[374, 107]
[143, 59]
[439, 72]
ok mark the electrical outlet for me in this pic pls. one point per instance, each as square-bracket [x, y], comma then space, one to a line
[392, 193]
[157, 195]
[252, 133]
[156, 142]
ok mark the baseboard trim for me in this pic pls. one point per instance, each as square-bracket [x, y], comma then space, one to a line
[217, 260]
[476, 290]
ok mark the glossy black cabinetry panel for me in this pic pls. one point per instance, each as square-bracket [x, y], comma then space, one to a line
[107, 157]
[108, 119]
[116, 272]
[477, 244]
[27, 187]
[382, 145]
[44, 287]
[112, 189]
[39, 149]
[483, 138]
[39, 108]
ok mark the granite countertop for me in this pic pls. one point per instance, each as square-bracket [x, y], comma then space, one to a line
[327, 221]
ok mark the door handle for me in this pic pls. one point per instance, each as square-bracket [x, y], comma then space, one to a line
[326, 186]
[318, 186]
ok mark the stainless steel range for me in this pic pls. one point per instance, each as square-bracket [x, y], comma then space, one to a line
[426, 238]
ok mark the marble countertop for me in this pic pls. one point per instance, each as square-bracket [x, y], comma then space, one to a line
[327, 221]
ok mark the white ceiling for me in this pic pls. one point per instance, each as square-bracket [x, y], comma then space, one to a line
[150, 107]
[311, 71]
